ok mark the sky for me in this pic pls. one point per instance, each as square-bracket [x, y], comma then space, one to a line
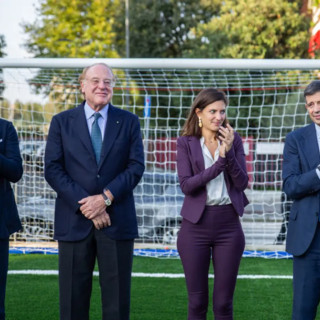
[12, 13]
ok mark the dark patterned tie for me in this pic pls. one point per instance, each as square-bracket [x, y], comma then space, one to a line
[96, 137]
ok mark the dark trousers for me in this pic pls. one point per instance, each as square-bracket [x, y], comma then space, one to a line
[4, 257]
[76, 264]
[306, 281]
[218, 236]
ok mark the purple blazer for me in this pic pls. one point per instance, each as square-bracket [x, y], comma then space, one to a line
[193, 176]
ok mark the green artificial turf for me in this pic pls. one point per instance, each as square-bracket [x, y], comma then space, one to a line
[35, 297]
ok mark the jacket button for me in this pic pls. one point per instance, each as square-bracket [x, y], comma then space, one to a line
[98, 176]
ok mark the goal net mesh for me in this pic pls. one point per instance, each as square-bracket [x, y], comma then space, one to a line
[264, 105]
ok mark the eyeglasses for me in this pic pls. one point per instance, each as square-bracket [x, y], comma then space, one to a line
[110, 83]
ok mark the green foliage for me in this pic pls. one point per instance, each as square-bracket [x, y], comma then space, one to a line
[74, 29]
[266, 107]
[159, 29]
[71, 29]
[30, 113]
[79, 28]
[169, 29]
[315, 3]
[2, 54]
[253, 29]
[4, 108]
[2, 45]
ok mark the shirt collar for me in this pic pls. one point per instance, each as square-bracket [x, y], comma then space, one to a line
[318, 131]
[89, 111]
[202, 141]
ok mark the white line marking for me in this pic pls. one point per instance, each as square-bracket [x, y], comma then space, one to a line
[150, 275]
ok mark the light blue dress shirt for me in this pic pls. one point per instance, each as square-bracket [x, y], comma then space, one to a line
[102, 121]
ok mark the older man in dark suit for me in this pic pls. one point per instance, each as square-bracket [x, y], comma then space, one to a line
[301, 182]
[93, 160]
[10, 171]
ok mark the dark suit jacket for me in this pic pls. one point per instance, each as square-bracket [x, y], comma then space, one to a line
[302, 185]
[10, 171]
[72, 171]
[193, 176]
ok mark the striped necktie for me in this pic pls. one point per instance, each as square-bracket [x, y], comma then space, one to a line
[96, 137]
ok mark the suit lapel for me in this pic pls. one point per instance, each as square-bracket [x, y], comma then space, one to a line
[112, 129]
[309, 143]
[196, 152]
[80, 129]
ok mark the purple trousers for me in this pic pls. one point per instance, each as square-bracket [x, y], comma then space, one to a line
[217, 236]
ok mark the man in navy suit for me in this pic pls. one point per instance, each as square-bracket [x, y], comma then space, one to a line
[10, 171]
[301, 182]
[93, 160]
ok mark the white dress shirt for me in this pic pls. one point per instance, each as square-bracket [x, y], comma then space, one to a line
[217, 193]
[318, 138]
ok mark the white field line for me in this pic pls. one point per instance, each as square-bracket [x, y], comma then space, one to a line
[149, 275]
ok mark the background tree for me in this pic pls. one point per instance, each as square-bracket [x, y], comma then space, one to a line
[2, 54]
[4, 108]
[159, 29]
[253, 29]
[96, 29]
[2, 46]
[71, 29]
[28, 113]
[74, 29]
[165, 29]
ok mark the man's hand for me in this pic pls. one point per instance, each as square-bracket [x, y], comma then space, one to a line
[92, 206]
[101, 221]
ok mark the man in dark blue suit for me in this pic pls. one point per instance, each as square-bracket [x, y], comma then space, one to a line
[93, 160]
[10, 171]
[301, 182]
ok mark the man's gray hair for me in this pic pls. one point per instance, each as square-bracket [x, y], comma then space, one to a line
[84, 71]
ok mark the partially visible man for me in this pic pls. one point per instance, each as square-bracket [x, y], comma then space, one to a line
[301, 182]
[93, 160]
[10, 171]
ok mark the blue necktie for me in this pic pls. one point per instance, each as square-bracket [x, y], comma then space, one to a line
[96, 137]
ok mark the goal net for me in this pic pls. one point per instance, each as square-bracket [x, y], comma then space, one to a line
[265, 103]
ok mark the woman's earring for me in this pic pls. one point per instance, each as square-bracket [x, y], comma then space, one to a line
[200, 123]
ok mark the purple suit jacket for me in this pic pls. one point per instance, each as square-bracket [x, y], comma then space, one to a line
[193, 176]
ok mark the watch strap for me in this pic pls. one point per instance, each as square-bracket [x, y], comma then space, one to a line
[107, 201]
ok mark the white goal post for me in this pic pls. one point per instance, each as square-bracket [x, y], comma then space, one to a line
[265, 103]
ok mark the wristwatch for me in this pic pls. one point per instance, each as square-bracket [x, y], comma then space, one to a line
[107, 201]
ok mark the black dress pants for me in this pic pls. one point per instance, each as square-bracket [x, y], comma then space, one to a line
[76, 264]
[4, 255]
[306, 281]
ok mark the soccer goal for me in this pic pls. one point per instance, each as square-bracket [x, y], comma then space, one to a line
[265, 103]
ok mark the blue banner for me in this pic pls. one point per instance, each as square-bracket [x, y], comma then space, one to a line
[147, 106]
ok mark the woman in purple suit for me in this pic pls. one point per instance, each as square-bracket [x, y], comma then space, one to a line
[212, 175]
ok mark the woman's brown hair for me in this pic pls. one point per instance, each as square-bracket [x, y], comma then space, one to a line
[202, 100]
